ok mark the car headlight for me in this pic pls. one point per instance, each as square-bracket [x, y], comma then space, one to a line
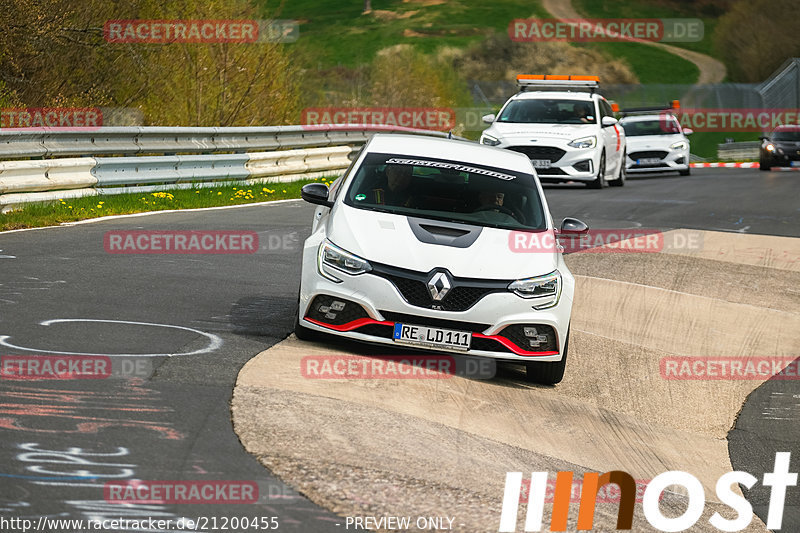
[680, 145]
[770, 147]
[334, 257]
[546, 290]
[584, 142]
[489, 140]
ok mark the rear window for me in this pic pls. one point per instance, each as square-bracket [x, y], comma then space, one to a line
[453, 191]
[665, 126]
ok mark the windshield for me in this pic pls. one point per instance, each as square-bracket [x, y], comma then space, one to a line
[541, 111]
[665, 126]
[786, 136]
[447, 190]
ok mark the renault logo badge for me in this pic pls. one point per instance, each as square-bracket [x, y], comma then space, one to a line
[439, 285]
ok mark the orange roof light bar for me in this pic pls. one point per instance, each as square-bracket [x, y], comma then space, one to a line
[676, 104]
[557, 77]
[615, 107]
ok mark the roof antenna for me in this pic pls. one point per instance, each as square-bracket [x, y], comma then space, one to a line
[450, 134]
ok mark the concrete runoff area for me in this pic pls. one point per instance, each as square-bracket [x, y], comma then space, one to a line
[442, 447]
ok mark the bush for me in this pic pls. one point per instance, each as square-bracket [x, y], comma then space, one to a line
[756, 36]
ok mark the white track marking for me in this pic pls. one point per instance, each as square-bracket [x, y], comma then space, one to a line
[214, 341]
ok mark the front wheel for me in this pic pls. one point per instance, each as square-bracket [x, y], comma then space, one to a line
[600, 181]
[545, 372]
[686, 172]
[763, 165]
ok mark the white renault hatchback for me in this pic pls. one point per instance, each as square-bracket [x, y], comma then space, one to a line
[416, 245]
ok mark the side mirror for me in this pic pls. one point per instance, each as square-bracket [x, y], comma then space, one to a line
[316, 193]
[608, 121]
[573, 226]
[688, 131]
[763, 138]
[488, 119]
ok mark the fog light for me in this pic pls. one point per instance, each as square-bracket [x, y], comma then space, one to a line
[680, 161]
[583, 166]
[337, 306]
[530, 332]
[324, 308]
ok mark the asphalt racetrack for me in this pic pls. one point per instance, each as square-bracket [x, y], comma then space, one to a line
[179, 328]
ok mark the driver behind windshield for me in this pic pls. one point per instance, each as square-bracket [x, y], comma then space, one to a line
[395, 189]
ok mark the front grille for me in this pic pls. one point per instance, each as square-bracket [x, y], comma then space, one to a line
[540, 152]
[412, 286]
[403, 318]
[655, 165]
[334, 311]
[552, 171]
[376, 330]
[488, 345]
[648, 154]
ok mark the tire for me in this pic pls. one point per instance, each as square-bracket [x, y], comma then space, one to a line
[303, 333]
[547, 373]
[763, 165]
[620, 181]
[600, 181]
[686, 172]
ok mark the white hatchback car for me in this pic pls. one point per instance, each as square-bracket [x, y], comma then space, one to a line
[414, 246]
[656, 143]
[565, 127]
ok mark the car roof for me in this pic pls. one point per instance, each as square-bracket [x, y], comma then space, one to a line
[641, 118]
[554, 95]
[450, 149]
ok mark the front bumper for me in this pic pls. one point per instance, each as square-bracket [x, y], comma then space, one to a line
[372, 305]
[672, 160]
[566, 163]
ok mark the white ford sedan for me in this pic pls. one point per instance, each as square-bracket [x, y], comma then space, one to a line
[425, 243]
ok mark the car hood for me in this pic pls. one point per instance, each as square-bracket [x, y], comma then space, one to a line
[653, 142]
[389, 239]
[529, 132]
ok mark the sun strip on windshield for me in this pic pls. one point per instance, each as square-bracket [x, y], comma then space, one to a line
[453, 166]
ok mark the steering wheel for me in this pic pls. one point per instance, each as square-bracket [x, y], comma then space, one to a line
[501, 208]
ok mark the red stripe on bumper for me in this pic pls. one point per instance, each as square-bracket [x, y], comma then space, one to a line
[355, 324]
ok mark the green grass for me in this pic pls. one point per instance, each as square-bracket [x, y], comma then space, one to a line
[70, 210]
[651, 64]
[651, 9]
[334, 34]
[704, 144]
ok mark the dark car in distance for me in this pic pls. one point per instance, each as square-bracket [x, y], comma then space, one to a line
[781, 148]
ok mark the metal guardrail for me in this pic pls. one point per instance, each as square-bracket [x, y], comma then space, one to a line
[136, 140]
[738, 151]
[207, 156]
